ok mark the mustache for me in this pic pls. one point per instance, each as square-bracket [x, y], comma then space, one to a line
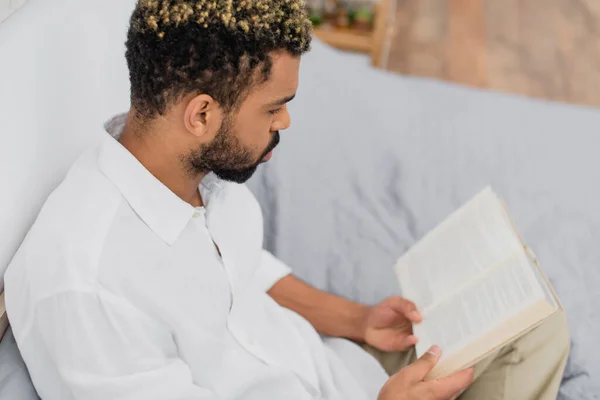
[274, 142]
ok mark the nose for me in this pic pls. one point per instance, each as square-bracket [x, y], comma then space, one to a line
[282, 121]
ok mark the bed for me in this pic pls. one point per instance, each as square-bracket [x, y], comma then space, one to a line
[371, 163]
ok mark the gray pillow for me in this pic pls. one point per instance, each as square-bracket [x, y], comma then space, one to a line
[15, 383]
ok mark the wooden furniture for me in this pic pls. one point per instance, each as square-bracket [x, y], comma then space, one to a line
[547, 49]
[3, 316]
[353, 40]
[346, 39]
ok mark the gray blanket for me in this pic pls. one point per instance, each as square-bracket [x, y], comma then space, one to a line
[373, 161]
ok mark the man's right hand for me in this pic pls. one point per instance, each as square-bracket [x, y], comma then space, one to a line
[409, 383]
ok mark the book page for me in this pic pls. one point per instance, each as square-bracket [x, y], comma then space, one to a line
[481, 307]
[547, 288]
[465, 247]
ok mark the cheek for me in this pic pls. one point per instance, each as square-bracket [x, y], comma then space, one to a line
[255, 133]
[252, 126]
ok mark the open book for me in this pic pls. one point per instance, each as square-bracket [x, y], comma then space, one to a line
[476, 284]
[3, 316]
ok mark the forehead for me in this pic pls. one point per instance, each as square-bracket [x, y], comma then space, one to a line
[283, 80]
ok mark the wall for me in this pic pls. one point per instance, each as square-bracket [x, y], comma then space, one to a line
[7, 7]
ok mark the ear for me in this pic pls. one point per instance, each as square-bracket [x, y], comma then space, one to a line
[202, 116]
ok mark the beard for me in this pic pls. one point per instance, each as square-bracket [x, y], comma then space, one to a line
[226, 157]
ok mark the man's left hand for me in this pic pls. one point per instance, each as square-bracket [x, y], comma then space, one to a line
[388, 325]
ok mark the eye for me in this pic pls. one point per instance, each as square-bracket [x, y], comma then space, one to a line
[276, 111]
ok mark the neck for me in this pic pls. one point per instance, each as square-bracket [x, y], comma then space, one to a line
[161, 158]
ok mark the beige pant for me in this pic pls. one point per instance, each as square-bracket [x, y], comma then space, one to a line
[529, 368]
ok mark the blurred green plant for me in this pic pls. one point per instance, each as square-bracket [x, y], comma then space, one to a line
[360, 16]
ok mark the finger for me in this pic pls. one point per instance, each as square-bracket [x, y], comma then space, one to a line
[451, 386]
[406, 308]
[410, 341]
[400, 342]
[416, 371]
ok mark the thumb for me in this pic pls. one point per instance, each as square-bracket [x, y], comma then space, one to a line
[417, 371]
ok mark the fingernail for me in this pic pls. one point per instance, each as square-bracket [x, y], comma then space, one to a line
[415, 315]
[434, 350]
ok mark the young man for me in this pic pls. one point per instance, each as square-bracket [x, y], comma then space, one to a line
[144, 275]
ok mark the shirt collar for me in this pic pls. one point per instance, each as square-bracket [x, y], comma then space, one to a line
[162, 210]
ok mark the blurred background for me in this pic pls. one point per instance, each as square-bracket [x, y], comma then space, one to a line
[547, 49]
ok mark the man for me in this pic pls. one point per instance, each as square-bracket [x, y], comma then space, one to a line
[144, 275]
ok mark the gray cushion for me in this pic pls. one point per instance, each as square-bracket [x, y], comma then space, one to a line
[15, 383]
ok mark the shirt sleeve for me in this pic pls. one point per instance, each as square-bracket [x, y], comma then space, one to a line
[105, 348]
[270, 271]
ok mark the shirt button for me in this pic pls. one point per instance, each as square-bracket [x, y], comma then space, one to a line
[198, 213]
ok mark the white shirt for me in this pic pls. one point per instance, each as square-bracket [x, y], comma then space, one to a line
[118, 292]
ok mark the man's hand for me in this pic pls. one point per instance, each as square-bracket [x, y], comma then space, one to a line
[408, 384]
[388, 325]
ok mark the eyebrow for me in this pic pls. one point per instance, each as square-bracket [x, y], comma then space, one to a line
[282, 101]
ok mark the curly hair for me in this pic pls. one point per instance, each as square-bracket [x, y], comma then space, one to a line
[214, 47]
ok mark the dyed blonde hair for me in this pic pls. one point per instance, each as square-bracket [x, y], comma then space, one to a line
[212, 46]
